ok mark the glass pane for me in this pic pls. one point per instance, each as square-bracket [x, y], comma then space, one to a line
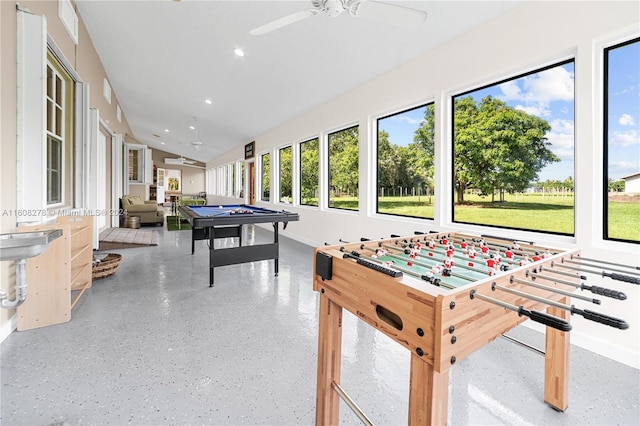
[266, 173]
[343, 169]
[54, 170]
[513, 159]
[58, 123]
[59, 88]
[50, 84]
[134, 158]
[622, 150]
[405, 163]
[286, 179]
[309, 167]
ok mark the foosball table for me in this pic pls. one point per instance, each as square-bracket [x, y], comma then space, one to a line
[443, 296]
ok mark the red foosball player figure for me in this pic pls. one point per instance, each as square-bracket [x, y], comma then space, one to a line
[449, 262]
[412, 256]
[491, 265]
[444, 241]
[450, 251]
[537, 256]
[417, 247]
[484, 248]
[508, 253]
[431, 244]
[463, 244]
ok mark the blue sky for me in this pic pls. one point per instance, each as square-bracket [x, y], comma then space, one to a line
[624, 111]
[549, 94]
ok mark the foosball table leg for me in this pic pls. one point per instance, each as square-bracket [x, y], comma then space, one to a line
[428, 394]
[329, 360]
[556, 366]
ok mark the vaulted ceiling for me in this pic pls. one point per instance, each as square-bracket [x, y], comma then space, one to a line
[165, 58]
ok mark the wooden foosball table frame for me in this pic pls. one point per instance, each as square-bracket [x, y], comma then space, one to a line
[440, 327]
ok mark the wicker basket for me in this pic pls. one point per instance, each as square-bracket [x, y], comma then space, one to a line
[106, 266]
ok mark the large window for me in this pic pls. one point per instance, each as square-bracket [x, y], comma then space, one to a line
[343, 169]
[513, 159]
[309, 167]
[59, 109]
[405, 163]
[285, 162]
[622, 141]
[266, 177]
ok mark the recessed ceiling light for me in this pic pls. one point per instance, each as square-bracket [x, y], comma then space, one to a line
[166, 130]
[238, 52]
[192, 128]
[161, 143]
[208, 101]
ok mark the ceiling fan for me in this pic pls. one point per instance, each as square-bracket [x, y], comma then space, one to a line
[387, 13]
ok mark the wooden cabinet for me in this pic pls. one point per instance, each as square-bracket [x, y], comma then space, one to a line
[66, 266]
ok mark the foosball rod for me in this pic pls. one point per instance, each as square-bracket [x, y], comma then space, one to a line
[513, 279]
[588, 315]
[614, 294]
[424, 265]
[494, 245]
[577, 261]
[415, 274]
[470, 268]
[456, 254]
[615, 277]
[355, 254]
[541, 317]
[434, 250]
[605, 262]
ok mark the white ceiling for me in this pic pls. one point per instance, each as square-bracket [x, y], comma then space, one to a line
[163, 58]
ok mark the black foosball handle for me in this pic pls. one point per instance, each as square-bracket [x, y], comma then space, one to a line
[624, 278]
[601, 318]
[546, 319]
[607, 292]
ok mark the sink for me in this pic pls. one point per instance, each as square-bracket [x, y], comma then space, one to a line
[22, 245]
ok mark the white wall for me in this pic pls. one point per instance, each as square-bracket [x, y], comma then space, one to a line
[529, 37]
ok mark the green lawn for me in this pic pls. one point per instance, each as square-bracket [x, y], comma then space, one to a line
[524, 211]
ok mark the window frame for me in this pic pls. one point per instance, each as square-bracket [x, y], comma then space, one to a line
[605, 49]
[328, 167]
[262, 177]
[375, 151]
[534, 69]
[300, 171]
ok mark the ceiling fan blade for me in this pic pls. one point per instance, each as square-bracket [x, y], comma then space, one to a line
[287, 20]
[391, 14]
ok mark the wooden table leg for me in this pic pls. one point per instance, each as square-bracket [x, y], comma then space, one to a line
[428, 394]
[329, 361]
[556, 365]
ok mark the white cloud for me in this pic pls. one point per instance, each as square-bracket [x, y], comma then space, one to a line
[555, 84]
[627, 138]
[562, 126]
[626, 120]
[561, 144]
[406, 119]
[538, 110]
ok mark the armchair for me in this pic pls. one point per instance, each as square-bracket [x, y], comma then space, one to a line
[148, 211]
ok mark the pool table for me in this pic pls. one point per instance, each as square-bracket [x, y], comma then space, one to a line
[226, 221]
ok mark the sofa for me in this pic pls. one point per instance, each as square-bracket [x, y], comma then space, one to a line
[149, 212]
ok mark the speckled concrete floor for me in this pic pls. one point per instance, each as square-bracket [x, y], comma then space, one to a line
[154, 345]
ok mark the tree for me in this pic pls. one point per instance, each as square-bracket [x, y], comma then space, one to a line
[309, 167]
[343, 161]
[497, 148]
[286, 179]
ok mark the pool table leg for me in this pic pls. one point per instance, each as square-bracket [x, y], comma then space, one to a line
[275, 241]
[212, 240]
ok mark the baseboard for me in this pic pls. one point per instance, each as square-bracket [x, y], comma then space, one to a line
[8, 327]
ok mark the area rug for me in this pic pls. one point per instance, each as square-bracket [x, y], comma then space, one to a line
[119, 238]
[172, 224]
